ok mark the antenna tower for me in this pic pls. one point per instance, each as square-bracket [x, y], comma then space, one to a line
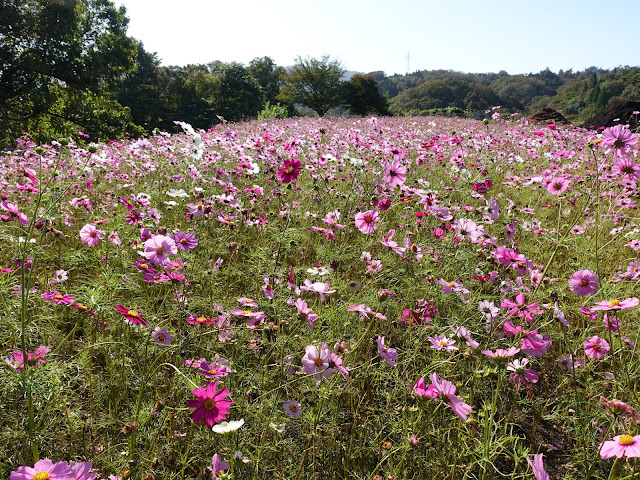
[408, 64]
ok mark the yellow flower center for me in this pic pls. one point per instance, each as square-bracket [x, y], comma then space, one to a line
[183, 241]
[213, 371]
[144, 266]
[209, 404]
[293, 408]
[41, 476]
[443, 343]
[58, 297]
[614, 303]
[246, 312]
[451, 284]
[289, 169]
[160, 251]
[133, 313]
[623, 440]
[583, 283]
[247, 301]
[201, 319]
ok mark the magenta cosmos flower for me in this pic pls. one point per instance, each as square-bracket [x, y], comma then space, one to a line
[132, 316]
[17, 362]
[557, 185]
[290, 171]
[390, 355]
[619, 140]
[211, 405]
[584, 282]
[447, 393]
[620, 446]
[366, 221]
[158, 247]
[44, 469]
[90, 235]
[519, 307]
[616, 304]
[596, 347]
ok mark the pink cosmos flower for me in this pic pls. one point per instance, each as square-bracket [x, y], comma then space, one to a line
[618, 139]
[218, 467]
[447, 393]
[44, 469]
[395, 174]
[162, 336]
[441, 342]
[557, 185]
[388, 354]
[520, 373]
[596, 347]
[520, 309]
[538, 467]
[267, 288]
[185, 241]
[440, 213]
[58, 298]
[82, 471]
[463, 332]
[584, 282]
[211, 405]
[90, 235]
[366, 221]
[392, 244]
[616, 304]
[501, 353]
[315, 359]
[290, 171]
[17, 362]
[422, 390]
[200, 320]
[158, 247]
[132, 316]
[320, 288]
[292, 409]
[304, 311]
[626, 167]
[214, 370]
[620, 446]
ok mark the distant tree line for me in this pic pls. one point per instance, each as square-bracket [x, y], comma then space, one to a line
[69, 66]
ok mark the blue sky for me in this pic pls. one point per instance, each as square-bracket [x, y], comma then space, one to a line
[519, 36]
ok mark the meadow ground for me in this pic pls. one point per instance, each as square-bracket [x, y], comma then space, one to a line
[388, 298]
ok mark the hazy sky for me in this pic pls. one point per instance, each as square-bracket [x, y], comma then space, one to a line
[519, 36]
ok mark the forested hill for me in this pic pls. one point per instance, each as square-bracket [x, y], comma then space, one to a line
[70, 67]
[578, 95]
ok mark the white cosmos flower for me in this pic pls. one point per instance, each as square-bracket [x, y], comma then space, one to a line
[177, 193]
[228, 427]
[278, 427]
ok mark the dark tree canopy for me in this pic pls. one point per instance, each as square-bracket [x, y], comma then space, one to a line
[361, 96]
[314, 83]
[60, 61]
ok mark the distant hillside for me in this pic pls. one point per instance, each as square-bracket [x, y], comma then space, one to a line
[577, 95]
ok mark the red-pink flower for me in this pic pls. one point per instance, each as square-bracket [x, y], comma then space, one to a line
[132, 316]
[211, 405]
[17, 362]
[366, 221]
[290, 171]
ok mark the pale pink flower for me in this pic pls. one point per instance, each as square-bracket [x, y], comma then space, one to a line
[157, 249]
[621, 446]
[388, 354]
[584, 282]
[538, 467]
[90, 235]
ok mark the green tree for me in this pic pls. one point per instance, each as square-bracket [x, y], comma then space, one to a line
[269, 76]
[361, 96]
[314, 83]
[240, 95]
[57, 55]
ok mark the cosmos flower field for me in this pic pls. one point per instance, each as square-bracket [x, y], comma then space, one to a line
[382, 298]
